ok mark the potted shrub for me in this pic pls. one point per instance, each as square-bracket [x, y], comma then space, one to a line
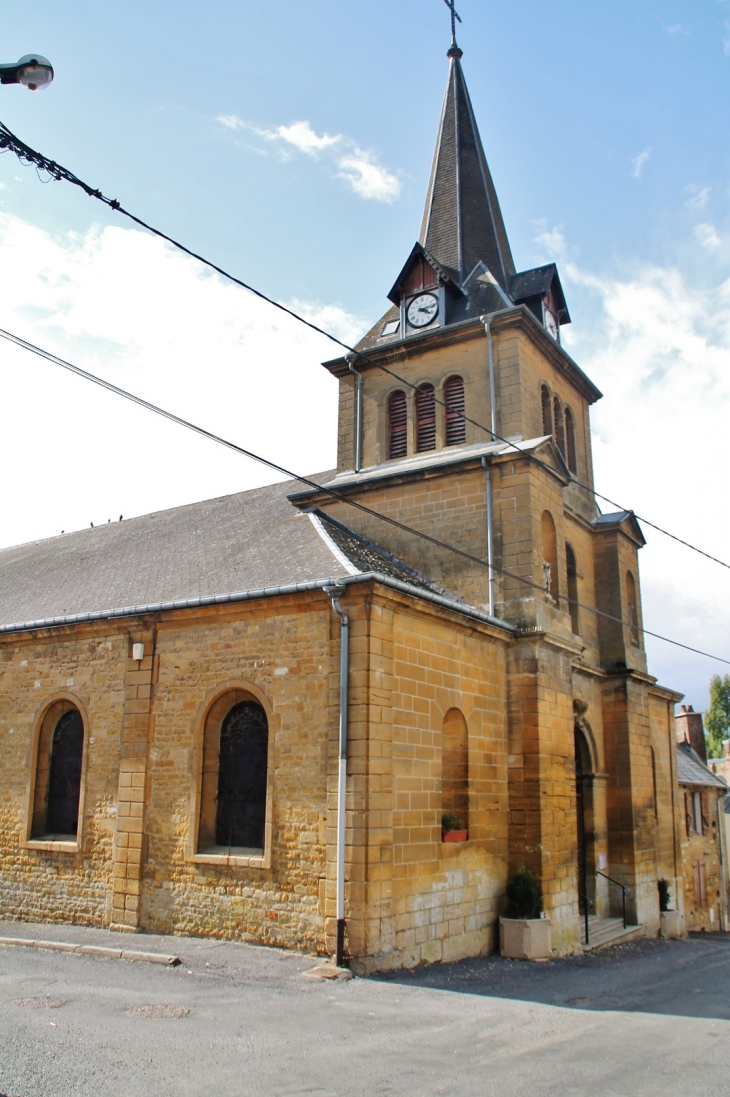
[524, 933]
[670, 926]
[452, 829]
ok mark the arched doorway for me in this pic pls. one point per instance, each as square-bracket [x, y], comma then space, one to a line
[585, 822]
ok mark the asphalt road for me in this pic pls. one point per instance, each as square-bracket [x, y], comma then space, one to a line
[651, 1017]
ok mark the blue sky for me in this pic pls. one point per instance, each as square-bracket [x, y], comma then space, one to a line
[291, 142]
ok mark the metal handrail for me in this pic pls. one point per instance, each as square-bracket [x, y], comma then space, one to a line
[625, 891]
[588, 903]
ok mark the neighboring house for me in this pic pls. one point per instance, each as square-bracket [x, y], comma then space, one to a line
[704, 845]
[175, 689]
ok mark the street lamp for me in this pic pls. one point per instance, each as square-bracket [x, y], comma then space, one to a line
[32, 71]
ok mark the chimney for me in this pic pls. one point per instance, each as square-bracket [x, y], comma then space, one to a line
[690, 729]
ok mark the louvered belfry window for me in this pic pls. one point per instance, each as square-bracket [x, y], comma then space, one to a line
[64, 784]
[241, 814]
[397, 425]
[425, 418]
[547, 417]
[455, 422]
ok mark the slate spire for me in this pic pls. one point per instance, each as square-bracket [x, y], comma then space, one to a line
[462, 221]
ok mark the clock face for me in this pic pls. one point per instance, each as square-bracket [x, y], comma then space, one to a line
[422, 310]
[551, 324]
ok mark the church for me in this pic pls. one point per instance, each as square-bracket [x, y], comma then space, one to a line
[337, 715]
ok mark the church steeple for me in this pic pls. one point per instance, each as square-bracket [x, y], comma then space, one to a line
[462, 222]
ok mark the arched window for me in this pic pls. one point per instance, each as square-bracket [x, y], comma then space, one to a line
[572, 589]
[455, 767]
[559, 425]
[549, 555]
[242, 762]
[455, 432]
[425, 418]
[633, 610]
[58, 773]
[570, 441]
[397, 425]
[547, 416]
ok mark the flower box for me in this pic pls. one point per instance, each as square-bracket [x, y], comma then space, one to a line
[670, 927]
[454, 835]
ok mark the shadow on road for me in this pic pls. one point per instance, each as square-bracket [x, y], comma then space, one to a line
[688, 978]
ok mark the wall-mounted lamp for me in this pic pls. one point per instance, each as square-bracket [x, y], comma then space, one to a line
[138, 652]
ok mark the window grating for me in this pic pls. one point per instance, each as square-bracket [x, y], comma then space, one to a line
[64, 784]
[241, 813]
[455, 422]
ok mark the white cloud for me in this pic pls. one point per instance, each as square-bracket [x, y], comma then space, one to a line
[124, 305]
[367, 178]
[639, 162]
[659, 352]
[707, 236]
[675, 30]
[345, 159]
[697, 196]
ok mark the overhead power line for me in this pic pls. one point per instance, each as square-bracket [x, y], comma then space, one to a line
[332, 492]
[10, 143]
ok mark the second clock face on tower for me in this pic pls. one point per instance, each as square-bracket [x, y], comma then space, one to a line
[422, 310]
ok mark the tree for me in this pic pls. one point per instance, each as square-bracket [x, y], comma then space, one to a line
[717, 722]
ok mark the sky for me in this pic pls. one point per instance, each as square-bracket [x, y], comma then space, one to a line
[290, 143]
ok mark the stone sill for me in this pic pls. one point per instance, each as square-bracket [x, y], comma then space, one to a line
[53, 845]
[218, 855]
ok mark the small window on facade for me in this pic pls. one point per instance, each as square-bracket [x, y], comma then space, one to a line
[572, 589]
[390, 327]
[570, 441]
[242, 762]
[397, 425]
[455, 768]
[64, 781]
[633, 610]
[549, 555]
[455, 422]
[425, 418]
[547, 415]
[559, 426]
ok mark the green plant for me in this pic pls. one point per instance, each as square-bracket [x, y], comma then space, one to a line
[450, 822]
[524, 898]
[717, 720]
[663, 886]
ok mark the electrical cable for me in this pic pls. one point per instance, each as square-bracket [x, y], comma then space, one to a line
[139, 400]
[10, 143]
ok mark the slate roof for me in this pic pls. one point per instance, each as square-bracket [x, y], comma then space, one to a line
[691, 770]
[248, 541]
[462, 221]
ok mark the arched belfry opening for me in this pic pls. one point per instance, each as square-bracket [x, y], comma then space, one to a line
[585, 821]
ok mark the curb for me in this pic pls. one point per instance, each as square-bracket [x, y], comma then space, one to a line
[96, 950]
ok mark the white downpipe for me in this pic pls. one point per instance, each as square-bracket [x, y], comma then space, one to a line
[485, 464]
[334, 593]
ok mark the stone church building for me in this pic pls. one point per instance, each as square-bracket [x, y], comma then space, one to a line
[247, 717]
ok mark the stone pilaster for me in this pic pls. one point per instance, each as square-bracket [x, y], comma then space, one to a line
[129, 842]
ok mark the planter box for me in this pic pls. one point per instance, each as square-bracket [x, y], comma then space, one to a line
[525, 938]
[454, 835]
[670, 927]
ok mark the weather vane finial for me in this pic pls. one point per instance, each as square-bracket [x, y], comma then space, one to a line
[451, 5]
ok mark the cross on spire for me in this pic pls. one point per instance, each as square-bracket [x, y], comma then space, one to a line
[451, 5]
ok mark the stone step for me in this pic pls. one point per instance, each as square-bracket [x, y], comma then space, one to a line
[607, 931]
